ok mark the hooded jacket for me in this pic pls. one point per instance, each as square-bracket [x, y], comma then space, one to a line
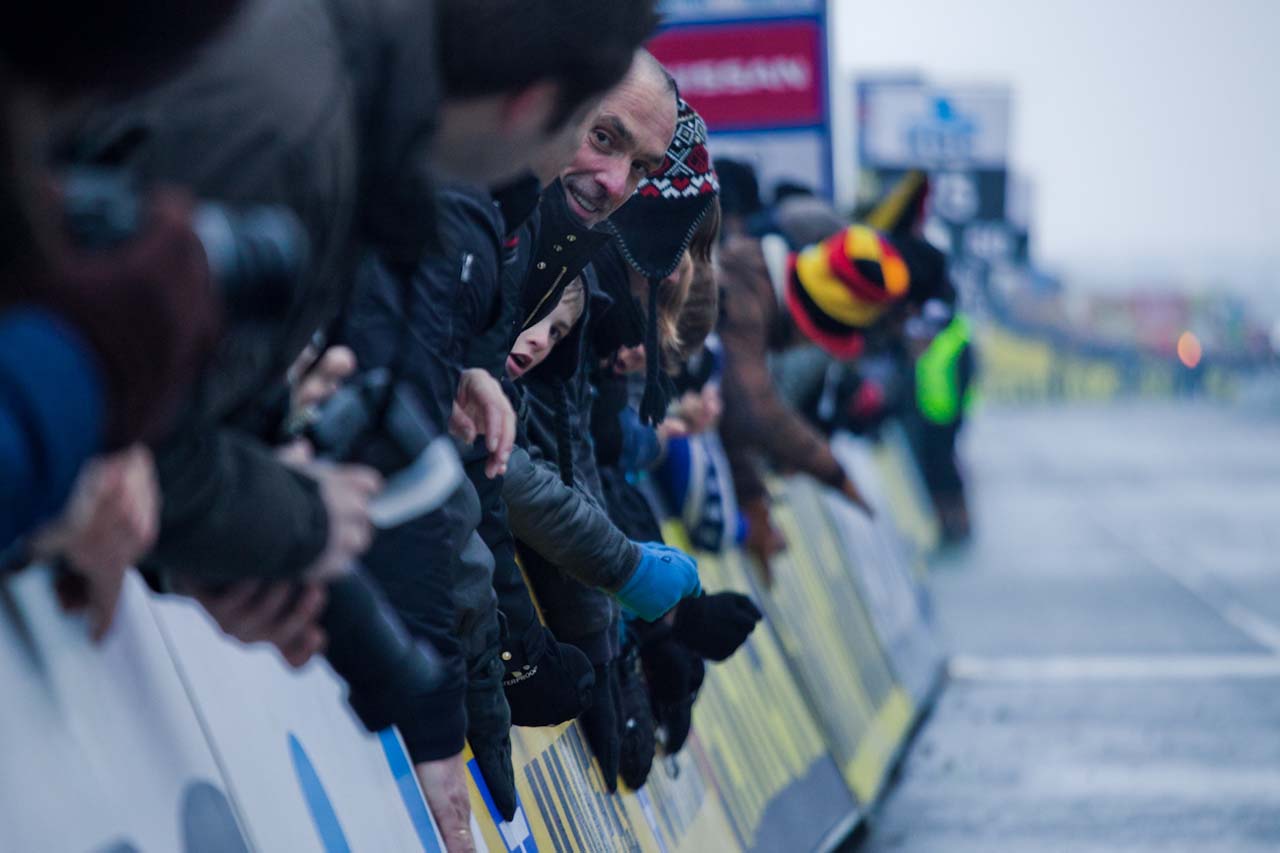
[575, 555]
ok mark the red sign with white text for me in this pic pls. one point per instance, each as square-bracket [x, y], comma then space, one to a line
[750, 76]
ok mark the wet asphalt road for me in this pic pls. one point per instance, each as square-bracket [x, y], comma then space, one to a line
[1115, 632]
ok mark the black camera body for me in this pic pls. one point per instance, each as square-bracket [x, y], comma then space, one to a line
[377, 421]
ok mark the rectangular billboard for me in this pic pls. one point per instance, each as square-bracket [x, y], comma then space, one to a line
[756, 70]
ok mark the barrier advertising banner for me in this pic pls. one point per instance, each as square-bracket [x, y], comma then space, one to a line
[756, 70]
[170, 736]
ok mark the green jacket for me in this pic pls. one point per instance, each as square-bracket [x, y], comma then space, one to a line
[943, 374]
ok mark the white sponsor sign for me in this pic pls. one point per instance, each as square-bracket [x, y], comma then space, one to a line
[908, 125]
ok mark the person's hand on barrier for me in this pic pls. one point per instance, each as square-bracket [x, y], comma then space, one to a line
[283, 614]
[637, 733]
[546, 682]
[854, 496]
[110, 522]
[715, 626]
[664, 577]
[481, 407]
[317, 381]
[346, 491]
[600, 724]
[764, 541]
[444, 783]
[489, 734]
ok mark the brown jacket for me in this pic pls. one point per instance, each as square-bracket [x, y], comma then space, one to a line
[757, 421]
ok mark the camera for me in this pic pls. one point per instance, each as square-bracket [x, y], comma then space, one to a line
[256, 253]
[377, 421]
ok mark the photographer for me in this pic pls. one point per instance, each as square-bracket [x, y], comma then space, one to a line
[95, 351]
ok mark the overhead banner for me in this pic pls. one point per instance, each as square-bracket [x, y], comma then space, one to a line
[757, 73]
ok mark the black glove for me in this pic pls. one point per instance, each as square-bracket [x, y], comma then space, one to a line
[638, 726]
[715, 626]
[547, 683]
[489, 733]
[674, 674]
[600, 724]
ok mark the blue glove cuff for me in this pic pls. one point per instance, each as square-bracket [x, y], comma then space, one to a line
[664, 577]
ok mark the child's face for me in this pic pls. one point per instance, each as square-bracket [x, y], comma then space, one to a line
[628, 360]
[536, 342]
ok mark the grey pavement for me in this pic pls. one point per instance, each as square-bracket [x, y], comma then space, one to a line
[1115, 632]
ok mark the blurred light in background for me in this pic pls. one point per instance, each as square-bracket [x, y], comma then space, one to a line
[1189, 350]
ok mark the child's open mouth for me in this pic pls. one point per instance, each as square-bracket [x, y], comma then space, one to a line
[518, 363]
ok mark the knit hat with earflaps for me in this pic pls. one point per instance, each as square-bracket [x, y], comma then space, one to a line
[655, 227]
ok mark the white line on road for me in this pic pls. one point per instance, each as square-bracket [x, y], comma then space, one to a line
[1208, 590]
[1112, 668]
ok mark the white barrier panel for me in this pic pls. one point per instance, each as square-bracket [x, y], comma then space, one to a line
[300, 767]
[171, 737]
[882, 560]
[100, 747]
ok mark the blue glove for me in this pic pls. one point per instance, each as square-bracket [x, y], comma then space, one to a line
[664, 577]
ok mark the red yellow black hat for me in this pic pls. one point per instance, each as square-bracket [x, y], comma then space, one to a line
[836, 289]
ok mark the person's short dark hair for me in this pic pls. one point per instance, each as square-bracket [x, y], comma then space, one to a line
[584, 46]
[739, 188]
[77, 47]
[791, 189]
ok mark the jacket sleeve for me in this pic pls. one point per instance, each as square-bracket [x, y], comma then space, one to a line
[445, 302]
[756, 417]
[233, 511]
[566, 527]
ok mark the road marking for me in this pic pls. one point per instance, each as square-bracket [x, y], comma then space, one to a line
[1262, 630]
[1112, 668]
[1208, 589]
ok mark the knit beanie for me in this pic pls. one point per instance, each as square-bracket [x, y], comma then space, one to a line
[655, 227]
[836, 289]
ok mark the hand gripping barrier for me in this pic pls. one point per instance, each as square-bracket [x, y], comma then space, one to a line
[169, 737]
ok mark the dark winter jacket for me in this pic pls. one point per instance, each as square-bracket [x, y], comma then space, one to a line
[572, 552]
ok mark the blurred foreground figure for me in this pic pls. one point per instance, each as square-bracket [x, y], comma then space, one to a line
[96, 348]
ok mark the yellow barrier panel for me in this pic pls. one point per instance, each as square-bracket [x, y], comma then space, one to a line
[777, 778]
[818, 612]
[564, 806]
[793, 736]
[905, 493]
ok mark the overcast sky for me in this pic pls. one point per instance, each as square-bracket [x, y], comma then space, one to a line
[1151, 128]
